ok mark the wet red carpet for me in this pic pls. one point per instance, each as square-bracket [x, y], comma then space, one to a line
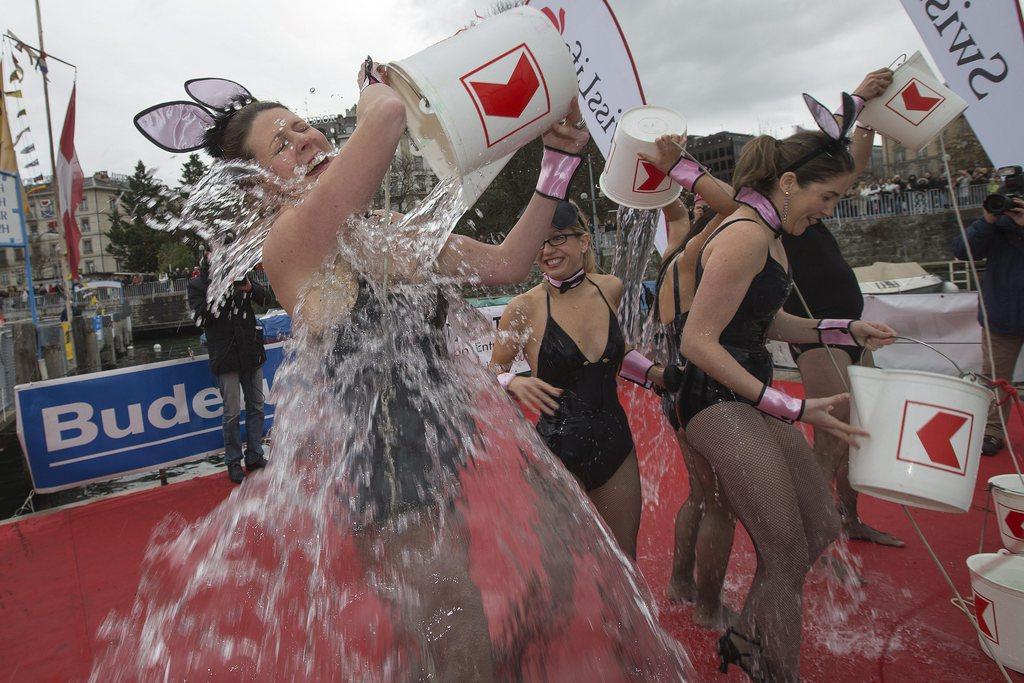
[62, 572]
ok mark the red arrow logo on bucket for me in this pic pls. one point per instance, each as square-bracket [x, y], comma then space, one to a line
[980, 605]
[654, 177]
[509, 99]
[1015, 523]
[913, 100]
[935, 436]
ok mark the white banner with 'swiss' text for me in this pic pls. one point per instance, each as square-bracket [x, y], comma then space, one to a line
[979, 48]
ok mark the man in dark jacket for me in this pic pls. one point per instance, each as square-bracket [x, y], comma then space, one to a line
[1000, 239]
[236, 360]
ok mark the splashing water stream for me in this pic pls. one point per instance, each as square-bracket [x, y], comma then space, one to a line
[410, 524]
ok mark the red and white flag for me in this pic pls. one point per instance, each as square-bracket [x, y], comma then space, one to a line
[70, 181]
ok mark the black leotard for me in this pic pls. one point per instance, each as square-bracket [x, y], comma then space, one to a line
[404, 451]
[743, 337]
[589, 432]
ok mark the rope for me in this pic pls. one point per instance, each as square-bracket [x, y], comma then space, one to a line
[26, 506]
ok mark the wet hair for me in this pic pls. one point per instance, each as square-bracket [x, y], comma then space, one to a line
[764, 160]
[226, 138]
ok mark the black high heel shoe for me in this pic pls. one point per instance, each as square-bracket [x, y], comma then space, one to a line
[730, 654]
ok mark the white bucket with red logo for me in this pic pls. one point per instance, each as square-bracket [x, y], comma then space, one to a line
[997, 580]
[485, 92]
[926, 431]
[627, 179]
[1008, 493]
[915, 108]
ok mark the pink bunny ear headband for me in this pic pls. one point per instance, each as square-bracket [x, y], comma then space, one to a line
[839, 134]
[180, 126]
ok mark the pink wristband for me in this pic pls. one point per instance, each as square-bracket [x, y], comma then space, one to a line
[780, 405]
[635, 368]
[859, 103]
[556, 171]
[836, 332]
[686, 172]
[505, 378]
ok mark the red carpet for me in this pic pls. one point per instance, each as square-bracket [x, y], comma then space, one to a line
[62, 572]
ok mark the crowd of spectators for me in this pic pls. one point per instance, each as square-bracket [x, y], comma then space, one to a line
[897, 195]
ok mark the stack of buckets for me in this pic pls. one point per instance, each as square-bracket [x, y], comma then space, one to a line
[997, 579]
[924, 451]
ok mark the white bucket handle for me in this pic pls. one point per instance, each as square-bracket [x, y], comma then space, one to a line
[898, 62]
[963, 374]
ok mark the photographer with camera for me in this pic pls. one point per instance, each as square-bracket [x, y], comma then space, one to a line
[236, 360]
[998, 236]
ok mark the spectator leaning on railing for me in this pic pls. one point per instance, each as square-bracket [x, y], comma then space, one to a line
[1000, 239]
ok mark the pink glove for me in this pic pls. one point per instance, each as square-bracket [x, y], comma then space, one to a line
[505, 378]
[635, 368]
[686, 172]
[557, 169]
[836, 332]
[780, 405]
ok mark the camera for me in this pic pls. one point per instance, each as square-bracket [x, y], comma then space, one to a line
[1013, 187]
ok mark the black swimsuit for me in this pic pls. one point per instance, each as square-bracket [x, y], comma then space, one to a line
[673, 339]
[406, 454]
[743, 337]
[589, 432]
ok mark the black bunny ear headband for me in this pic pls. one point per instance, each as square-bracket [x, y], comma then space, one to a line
[839, 134]
[179, 126]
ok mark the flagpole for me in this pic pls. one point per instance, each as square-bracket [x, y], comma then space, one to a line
[65, 283]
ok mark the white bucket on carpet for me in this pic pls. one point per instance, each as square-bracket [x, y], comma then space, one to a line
[486, 91]
[627, 179]
[915, 108]
[926, 431]
[1008, 493]
[997, 580]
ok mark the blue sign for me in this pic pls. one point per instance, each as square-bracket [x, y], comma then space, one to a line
[12, 213]
[76, 430]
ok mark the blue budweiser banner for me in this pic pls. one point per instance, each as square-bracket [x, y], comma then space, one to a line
[102, 425]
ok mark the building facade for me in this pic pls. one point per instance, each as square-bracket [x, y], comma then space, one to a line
[101, 193]
[963, 147]
[718, 152]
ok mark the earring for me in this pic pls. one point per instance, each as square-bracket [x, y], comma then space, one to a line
[785, 206]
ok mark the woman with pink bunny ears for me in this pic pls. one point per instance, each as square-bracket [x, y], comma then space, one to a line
[391, 434]
[734, 419]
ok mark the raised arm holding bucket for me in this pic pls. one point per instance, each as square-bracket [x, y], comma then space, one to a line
[732, 416]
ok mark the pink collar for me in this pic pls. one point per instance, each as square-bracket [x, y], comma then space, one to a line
[565, 285]
[763, 206]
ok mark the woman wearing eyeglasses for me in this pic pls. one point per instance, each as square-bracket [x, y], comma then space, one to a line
[575, 348]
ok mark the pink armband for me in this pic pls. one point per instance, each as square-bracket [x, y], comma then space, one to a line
[635, 368]
[505, 378]
[686, 172]
[556, 171]
[780, 405]
[836, 332]
[859, 103]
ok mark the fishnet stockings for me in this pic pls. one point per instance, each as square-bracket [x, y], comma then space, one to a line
[619, 501]
[776, 489]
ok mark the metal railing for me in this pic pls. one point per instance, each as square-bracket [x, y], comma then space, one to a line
[151, 290]
[957, 272]
[914, 202]
[6, 371]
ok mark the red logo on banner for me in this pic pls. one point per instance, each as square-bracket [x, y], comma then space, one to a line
[985, 611]
[1015, 523]
[559, 22]
[649, 178]
[915, 102]
[508, 92]
[935, 436]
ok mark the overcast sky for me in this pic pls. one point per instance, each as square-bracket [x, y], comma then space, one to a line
[736, 65]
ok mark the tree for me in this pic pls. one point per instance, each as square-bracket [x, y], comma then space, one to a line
[133, 241]
[191, 173]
